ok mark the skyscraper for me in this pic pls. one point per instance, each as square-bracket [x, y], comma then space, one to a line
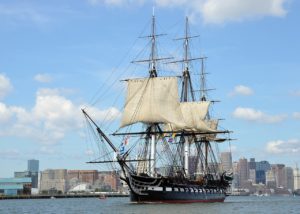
[33, 165]
[226, 161]
[296, 178]
[279, 172]
[289, 178]
[261, 168]
[252, 164]
[33, 169]
[243, 171]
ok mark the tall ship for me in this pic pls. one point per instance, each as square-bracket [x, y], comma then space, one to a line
[172, 156]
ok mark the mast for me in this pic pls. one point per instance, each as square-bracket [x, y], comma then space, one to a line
[203, 98]
[152, 65]
[186, 82]
[203, 82]
[153, 73]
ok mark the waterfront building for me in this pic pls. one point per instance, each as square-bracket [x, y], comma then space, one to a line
[82, 176]
[296, 178]
[226, 161]
[15, 186]
[279, 173]
[108, 180]
[261, 168]
[263, 165]
[235, 182]
[289, 178]
[243, 171]
[193, 164]
[260, 176]
[252, 164]
[53, 180]
[270, 179]
[28, 174]
[252, 176]
[32, 172]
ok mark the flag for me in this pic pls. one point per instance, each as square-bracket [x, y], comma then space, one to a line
[123, 144]
[171, 138]
[126, 140]
[122, 149]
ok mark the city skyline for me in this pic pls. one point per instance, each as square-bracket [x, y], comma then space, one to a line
[55, 55]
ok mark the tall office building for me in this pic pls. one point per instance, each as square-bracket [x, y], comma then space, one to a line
[33, 169]
[235, 182]
[252, 164]
[270, 179]
[279, 173]
[243, 171]
[193, 162]
[263, 165]
[296, 178]
[33, 165]
[261, 170]
[226, 161]
[252, 175]
[289, 178]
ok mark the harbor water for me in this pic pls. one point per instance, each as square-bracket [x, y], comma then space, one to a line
[233, 204]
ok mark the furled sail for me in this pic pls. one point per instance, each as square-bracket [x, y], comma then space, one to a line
[213, 124]
[152, 100]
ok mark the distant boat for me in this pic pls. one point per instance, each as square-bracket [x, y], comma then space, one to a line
[101, 197]
[52, 197]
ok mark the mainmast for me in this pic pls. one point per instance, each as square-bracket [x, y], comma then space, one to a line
[153, 73]
[186, 84]
[152, 63]
[184, 98]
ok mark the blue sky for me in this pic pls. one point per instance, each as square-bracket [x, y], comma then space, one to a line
[55, 55]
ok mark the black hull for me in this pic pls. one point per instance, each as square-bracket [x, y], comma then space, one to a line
[147, 189]
[176, 197]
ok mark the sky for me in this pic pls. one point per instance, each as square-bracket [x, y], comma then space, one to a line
[59, 56]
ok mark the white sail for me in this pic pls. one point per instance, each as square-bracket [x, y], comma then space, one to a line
[194, 114]
[152, 100]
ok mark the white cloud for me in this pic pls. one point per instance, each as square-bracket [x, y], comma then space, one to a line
[241, 90]
[51, 118]
[5, 86]
[43, 78]
[5, 113]
[174, 3]
[295, 93]
[46, 150]
[10, 153]
[22, 12]
[284, 147]
[116, 2]
[251, 114]
[222, 11]
[296, 115]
